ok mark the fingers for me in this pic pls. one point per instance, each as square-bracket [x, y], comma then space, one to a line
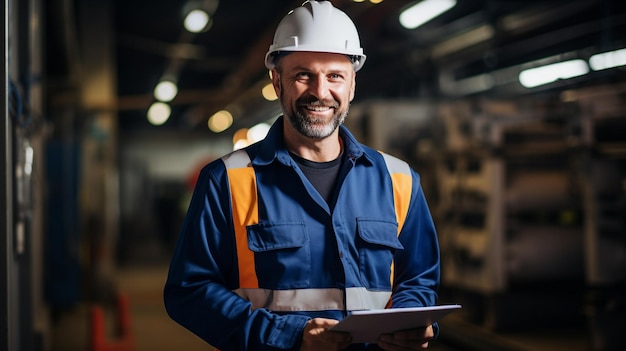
[413, 339]
[316, 336]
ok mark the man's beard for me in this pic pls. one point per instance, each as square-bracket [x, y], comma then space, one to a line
[314, 127]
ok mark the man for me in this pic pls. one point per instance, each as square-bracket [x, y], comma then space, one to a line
[286, 237]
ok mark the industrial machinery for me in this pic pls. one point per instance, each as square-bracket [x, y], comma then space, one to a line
[529, 200]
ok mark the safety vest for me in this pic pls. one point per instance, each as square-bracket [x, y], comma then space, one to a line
[243, 190]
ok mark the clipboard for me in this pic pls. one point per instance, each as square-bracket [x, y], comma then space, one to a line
[367, 326]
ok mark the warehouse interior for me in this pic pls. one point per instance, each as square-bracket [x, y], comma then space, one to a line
[513, 113]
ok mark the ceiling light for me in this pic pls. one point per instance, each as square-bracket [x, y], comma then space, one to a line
[257, 132]
[159, 113]
[240, 144]
[240, 134]
[240, 139]
[608, 60]
[376, 1]
[269, 93]
[197, 21]
[537, 76]
[165, 91]
[220, 121]
[423, 12]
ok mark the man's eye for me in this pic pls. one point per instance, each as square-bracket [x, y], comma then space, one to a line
[335, 76]
[303, 75]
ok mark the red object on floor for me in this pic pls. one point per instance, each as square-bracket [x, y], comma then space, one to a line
[124, 340]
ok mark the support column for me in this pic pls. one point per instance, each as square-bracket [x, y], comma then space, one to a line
[9, 294]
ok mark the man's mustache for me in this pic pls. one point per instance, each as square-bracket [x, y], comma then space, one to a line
[315, 102]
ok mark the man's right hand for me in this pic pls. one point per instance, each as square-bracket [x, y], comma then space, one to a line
[316, 336]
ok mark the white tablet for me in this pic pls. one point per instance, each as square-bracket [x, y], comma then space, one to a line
[367, 326]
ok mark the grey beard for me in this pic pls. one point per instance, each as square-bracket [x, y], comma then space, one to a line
[311, 130]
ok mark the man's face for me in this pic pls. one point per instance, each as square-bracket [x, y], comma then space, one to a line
[315, 91]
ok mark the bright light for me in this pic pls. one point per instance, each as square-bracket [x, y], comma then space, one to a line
[608, 60]
[423, 12]
[258, 132]
[165, 91]
[28, 160]
[240, 144]
[376, 1]
[196, 21]
[533, 77]
[240, 139]
[220, 121]
[159, 113]
[269, 93]
[241, 134]
[244, 136]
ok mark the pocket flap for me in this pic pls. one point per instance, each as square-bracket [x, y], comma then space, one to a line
[276, 236]
[379, 232]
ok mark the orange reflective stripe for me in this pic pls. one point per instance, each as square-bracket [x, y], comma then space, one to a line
[243, 192]
[402, 183]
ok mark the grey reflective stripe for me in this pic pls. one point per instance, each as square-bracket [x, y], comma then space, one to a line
[363, 299]
[396, 165]
[315, 299]
[294, 300]
[236, 159]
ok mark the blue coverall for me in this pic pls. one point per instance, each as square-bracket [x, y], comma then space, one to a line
[309, 260]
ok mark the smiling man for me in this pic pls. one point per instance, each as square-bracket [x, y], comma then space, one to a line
[315, 91]
[285, 238]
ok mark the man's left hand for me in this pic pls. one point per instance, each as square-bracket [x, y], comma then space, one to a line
[412, 339]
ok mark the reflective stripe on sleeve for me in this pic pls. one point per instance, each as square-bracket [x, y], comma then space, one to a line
[402, 182]
[402, 185]
[245, 212]
[315, 299]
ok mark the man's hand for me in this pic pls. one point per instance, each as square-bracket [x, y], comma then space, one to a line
[413, 339]
[317, 337]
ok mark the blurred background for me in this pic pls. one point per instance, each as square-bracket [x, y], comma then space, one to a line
[512, 112]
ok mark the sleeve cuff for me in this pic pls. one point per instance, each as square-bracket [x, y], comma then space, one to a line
[288, 334]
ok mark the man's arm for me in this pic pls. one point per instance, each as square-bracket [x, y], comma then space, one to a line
[417, 272]
[199, 293]
[417, 266]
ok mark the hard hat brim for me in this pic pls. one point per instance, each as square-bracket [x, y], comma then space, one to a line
[357, 57]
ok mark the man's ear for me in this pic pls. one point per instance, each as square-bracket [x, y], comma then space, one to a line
[353, 87]
[276, 80]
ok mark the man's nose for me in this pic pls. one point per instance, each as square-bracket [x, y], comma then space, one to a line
[319, 87]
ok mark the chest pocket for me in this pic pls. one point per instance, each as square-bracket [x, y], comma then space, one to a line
[282, 254]
[377, 242]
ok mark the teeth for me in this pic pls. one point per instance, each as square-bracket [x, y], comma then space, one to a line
[318, 108]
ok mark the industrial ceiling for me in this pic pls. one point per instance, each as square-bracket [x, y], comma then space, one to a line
[223, 66]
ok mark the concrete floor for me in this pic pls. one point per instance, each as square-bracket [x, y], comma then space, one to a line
[153, 330]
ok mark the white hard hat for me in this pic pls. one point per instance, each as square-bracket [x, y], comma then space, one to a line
[320, 27]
